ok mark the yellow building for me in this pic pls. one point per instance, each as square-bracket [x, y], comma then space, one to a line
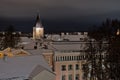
[13, 52]
[6, 52]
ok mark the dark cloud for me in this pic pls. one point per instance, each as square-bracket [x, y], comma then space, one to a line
[77, 12]
[51, 8]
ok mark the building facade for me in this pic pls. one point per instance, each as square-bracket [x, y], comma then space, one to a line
[67, 57]
[68, 65]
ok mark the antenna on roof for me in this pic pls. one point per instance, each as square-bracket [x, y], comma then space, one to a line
[38, 13]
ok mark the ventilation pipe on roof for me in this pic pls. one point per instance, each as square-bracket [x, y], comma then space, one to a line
[5, 57]
[22, 47]
[35, 47]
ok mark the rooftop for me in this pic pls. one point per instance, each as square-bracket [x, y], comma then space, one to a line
[21, 66]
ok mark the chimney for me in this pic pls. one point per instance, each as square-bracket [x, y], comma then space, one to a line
[35, 47]
[5, 57]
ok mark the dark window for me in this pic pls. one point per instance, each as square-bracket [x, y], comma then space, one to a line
[63, 77]
[56, 58]
[77, 66]
[70, 77]
[63, 58]
[69, 67]
[72, 58]
[63, 67]
[77, 77]
[81, 39]
[77, 57]
[35, 47]
[67, 58]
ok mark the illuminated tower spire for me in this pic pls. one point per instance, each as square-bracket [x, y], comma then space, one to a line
[38, 23]
[118, 32]
[38, 30]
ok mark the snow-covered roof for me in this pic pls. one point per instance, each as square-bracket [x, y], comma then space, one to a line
[70, 37]
[34, 51]
[75, 37]
[22, 66]
[26, 39]
[67, 46]
[27, 43]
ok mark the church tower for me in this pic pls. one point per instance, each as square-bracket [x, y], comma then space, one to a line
[118, 32]
[38, 30]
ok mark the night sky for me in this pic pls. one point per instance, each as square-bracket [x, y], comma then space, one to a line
[57, 15]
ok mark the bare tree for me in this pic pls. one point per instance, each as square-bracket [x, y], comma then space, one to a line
[94, 66]
[10, 38]
[103, 62]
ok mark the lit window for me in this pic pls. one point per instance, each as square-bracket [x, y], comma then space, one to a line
[63, 67]
[69, 67]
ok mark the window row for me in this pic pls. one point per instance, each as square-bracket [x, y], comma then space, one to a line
[70, 67]
[70, 77]
[70, 58]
